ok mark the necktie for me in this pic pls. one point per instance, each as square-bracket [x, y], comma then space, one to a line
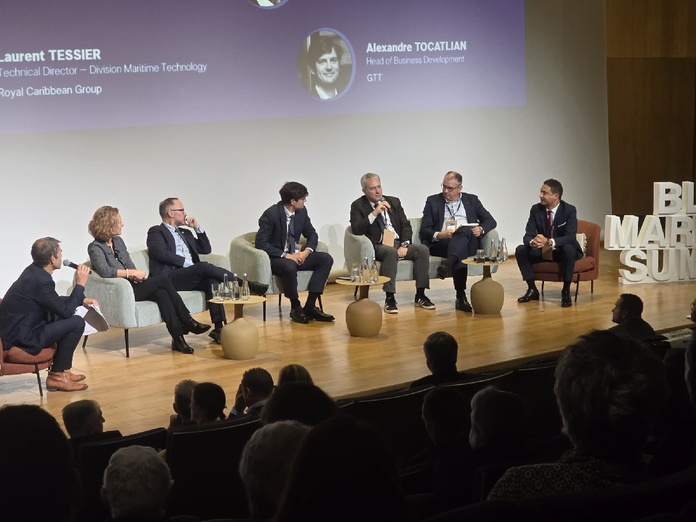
[291, 235]
[549, 224]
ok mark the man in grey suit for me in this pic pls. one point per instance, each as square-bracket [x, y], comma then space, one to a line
[383, 221]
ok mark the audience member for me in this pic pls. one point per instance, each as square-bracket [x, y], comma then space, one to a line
[301, 402]
[343, 471]
[84, 422]
[33, 316]
[182, 404]
[498, 423]
[207, 403]
[294, 373]
[627, 316]
[440, 350]
[610, 390]
[253, 392]
[265, 464]
[41, 483]
[280, 228]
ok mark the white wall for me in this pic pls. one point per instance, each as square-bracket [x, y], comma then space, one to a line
[226, 174]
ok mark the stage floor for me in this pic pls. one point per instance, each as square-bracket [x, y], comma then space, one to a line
[137, 393]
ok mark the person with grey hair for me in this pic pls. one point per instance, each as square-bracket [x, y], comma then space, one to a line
[33, 316]
[266, 462]
[136, 484]
[383, 221]
[83, 418]
[610, 390]
[182, 403]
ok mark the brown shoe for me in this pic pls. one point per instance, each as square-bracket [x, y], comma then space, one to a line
[74, 377]
[59, 381]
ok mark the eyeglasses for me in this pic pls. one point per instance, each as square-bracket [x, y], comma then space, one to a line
[449, 189]
[176, 209]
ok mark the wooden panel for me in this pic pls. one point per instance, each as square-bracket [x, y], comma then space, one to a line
[651, 128]
[651, 28]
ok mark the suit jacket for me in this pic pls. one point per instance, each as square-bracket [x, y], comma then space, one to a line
[361, 208]
[272, 234]
[30, 304]
[106, 262]
[565, 225]
[434, 215]
[162, 249]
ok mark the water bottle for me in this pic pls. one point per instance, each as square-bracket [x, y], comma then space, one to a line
[355, 273]
[504, 250]
[493, 252]
[245, 289]
[365, 272]
[225, 290]
[235, 288]
[374, 272]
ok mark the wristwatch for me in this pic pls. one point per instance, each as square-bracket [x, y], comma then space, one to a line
[405, 243]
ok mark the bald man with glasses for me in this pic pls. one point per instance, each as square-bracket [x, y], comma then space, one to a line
[454, 224]
[175, 252]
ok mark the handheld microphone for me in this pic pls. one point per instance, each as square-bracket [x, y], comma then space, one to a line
[67, 262]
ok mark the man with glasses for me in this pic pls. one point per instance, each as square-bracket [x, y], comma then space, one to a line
[174, 251]
[280, 228]
[453, 226]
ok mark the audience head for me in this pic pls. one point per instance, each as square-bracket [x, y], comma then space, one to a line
[628, 306]
[343, 471]
[182, 399]
[136, 484]
[43, 250]
[498, 419]
[207, 403]
[83, 418]
[257, 385]
[265, 464]
[104, 224]
[294, 373]
[445, 414]
[609, 391]
[292, 191]
[37, 463]
[299, 401]
[440, 352]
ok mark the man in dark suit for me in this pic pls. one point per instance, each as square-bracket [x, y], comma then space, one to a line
[627, 314]
[550, 234]
[175, 252]
[280, 228]
[383, 221]
[453, 225]
[33, 316]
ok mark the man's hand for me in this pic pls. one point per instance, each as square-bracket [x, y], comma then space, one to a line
[192, 222]
[445, 234]
[539, 241]
[477, 231]
[402, 251]
[81, 275]
[239, 402]
[88, 301]
[380, 207]
[298, 257]
[137, 275]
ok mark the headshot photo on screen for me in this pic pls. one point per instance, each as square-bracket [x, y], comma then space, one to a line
[268, 4]
[325, 65]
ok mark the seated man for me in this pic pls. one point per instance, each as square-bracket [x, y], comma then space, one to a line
[610, 390]
[84, 422]
[440, 350]
[253, 392]
[175, 251]
[33, 316]
[453, 224]
[627, 316]
[280, 228]
[182, 404]
[550, 234]
[383, 221]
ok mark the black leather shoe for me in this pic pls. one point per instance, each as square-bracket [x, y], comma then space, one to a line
[194, 327]
[566, 301]
[316, 314]
[443, 272]
[215, 335]
[179, 344]
[297, 315]
[462, 304]
[529, 295]
[257, 288]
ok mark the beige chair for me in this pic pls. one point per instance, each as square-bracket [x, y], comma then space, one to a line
[357, 248]
[245, 258]
[115, 296]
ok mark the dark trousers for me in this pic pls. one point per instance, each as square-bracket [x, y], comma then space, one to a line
[286, 269]
[160, 289]
[389, 257]
[66, 333]
[565, 256]
[461, 245]
[200, 277]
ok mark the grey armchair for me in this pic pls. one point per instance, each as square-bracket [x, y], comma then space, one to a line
[118, 304]
[357, 248]
[245, 258]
